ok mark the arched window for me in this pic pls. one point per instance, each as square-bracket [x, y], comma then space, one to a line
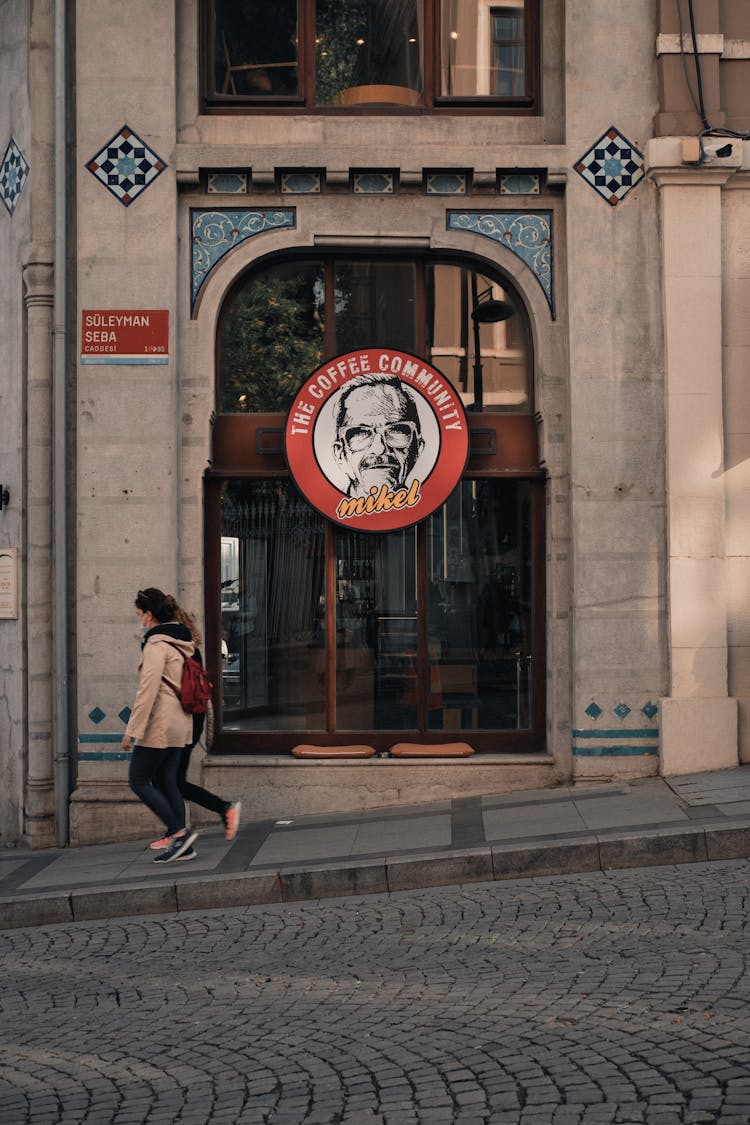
[324, 634]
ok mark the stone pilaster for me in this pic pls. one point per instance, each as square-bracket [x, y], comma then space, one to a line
[39, 795]
[699, 719]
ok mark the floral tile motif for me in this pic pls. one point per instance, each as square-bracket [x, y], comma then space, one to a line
[527, 234]
[126, 166]
[612, 166]
[14, 172]
[215, 232]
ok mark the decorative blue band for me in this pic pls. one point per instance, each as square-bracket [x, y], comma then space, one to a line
[104, 755]
[527, 234]
[216, 232]
[100, 737]
[613, 751]
[642, 732]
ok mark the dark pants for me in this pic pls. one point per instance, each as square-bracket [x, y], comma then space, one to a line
[196, 793]
[153, 779]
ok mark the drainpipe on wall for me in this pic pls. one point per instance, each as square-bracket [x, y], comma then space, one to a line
[60, 431]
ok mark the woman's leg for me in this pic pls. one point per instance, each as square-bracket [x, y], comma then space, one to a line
[148, 777]
[196, 793]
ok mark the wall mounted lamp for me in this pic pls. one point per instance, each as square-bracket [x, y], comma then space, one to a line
[486, 310]
[4, 497]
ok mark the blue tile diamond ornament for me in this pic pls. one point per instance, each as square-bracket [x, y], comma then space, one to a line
[126, 166]
[622, 710]
[593, 710]
[14, 172]
[612, 166]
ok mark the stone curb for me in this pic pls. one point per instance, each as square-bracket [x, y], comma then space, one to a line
[496, 862]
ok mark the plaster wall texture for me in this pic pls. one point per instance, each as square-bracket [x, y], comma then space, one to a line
[15, 231]
[736, 352]
[127, 446]
[616, 381]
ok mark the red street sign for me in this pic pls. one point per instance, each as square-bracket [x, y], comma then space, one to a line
[124, 335]
[376, 439]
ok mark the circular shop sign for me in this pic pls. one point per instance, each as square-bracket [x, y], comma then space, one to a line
[376, 439]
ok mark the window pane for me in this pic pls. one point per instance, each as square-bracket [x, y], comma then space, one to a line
[479, 608]
[272, 608]
[374, 305]
[482, 49]
[489, 363]
[376, 631]
[368, 51]
[271, 337]
[255, 48]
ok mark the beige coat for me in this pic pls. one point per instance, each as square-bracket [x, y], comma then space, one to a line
[157, 719]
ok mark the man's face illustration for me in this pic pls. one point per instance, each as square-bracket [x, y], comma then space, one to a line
[375, 443]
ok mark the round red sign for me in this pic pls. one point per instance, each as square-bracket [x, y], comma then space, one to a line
[376, 439]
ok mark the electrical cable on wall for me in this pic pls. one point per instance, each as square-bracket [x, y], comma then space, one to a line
[698, 102]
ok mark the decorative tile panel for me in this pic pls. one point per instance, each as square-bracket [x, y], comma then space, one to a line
[446, 183]
[612, 166]
[373, 183]
[527, 234]
[14, 172]
[126, 166]
[216, 232]
[226, 183]
[301, 183]
[627, 739]
[520, 183]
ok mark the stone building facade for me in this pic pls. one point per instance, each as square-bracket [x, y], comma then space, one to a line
[186, 197]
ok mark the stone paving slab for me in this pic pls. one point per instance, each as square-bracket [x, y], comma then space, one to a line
[525, 834]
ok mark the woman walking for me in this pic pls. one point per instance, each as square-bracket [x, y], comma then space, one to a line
[158, 725]
[229, 811]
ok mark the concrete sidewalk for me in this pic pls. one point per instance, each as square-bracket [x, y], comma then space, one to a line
[694, 818]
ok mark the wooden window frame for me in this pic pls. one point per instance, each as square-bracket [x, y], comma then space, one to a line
[432, 102]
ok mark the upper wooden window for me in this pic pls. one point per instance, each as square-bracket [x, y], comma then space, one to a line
[370, 55]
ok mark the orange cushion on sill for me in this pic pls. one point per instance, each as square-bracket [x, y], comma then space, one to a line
[333, 751]
[436, 750]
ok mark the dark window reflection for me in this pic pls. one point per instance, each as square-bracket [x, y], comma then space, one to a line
[479, 608]
[271, 337]
[272, 608]
[255, 48]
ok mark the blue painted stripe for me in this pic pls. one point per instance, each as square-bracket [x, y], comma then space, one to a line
[100, 737]
[643, 732]
[612, 751]
[104, 755]
[111, 359]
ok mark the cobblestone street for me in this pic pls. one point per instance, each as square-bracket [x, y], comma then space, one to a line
[586, 999]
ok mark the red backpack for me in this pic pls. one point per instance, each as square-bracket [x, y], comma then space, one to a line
[195, 690]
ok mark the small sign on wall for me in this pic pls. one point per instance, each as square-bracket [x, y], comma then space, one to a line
[125, 336]
[8, 582]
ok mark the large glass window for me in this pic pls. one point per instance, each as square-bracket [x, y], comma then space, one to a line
[371, 54]
[316, 632]
[273, 329]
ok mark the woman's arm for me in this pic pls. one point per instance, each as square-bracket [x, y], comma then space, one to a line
[149, 682]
